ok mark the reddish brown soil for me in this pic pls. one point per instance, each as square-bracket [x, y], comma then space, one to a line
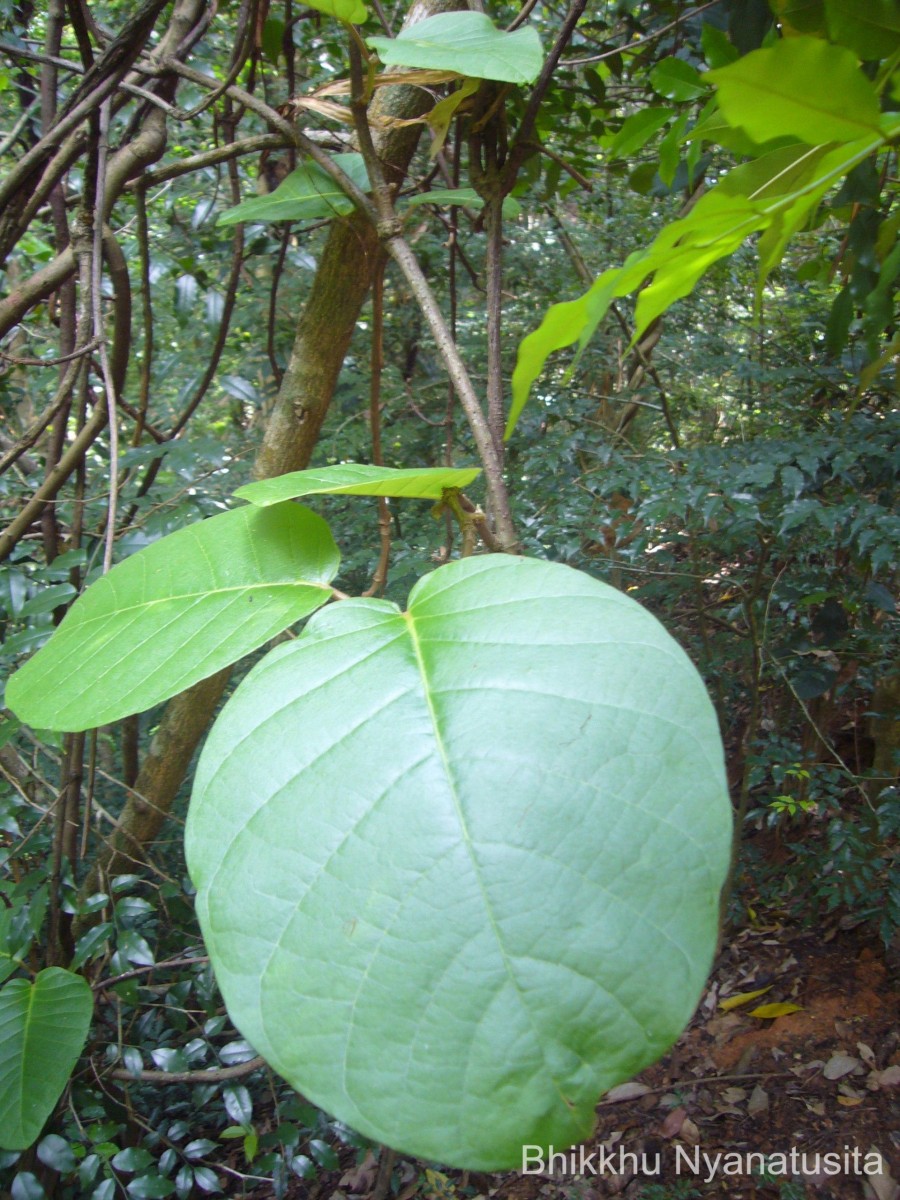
[823, 1079]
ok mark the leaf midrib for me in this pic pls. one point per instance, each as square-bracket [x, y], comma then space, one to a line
[205, 594]
[468, 844]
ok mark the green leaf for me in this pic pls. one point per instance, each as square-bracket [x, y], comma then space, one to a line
[176, 612]
[871, 30]
[56, 1153]
[307, 194]
[801, 87]
[150, 1187]
[717, 49]
[442, 114]
[799, 16]
[670, 150]
[43, 1027]
[359, 479]
[468, 43]
[637, 130]
[272, 39]
[47, 599]
[783, 188]
[353, 11]
[458, 868]
[467, 197]
[676, 79]
[837, 330]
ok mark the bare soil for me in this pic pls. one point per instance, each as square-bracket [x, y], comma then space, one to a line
[822, 1080]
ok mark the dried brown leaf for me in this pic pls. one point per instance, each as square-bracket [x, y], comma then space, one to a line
[758, 1102]
[671, 1126]
[625, 1091]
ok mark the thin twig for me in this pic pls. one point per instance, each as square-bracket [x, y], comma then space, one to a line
[379, 578]
[212, 1075]
[184, 961]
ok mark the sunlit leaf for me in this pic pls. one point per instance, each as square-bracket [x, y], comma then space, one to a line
[458, 868]
[468, 43]
[783, 187]
[176, 612]
[801, 87]
[359, 479]
[353, 11]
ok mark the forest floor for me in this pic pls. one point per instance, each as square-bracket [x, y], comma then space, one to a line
[821, 1080]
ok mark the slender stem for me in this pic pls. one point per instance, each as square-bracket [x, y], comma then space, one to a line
[389, 228]
[379, 579]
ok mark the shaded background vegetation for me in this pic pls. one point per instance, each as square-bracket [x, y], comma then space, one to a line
[739, 477]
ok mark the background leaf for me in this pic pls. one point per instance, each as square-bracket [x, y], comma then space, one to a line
[467, 197]
[353, 11]
[307, 194]
[359, 479]
[458, 868]
[638, 129]
[43, 1026]
[176, 612]
[466, 42]
[872, 29]
[677, 80]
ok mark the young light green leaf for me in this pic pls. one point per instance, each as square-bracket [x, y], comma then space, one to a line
[801, 87]
[468, 43]
[43, 1027]
[353, 11]
[359, 479]
[442, 114]
[176, 612]
[871, 30]
[307, 194]
[458, 868]
[783, 187]
[466, 197]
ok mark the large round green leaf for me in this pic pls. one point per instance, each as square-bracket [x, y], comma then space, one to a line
[43, 1026]
[176, 612]
[458, 868]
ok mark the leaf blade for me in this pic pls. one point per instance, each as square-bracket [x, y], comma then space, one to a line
[306, 194]
[43, 1028]
[384, 899]
[468, 43]
[359, 479]
[800, 87]
[175, 613]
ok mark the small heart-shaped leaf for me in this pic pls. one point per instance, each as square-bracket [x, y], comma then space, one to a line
[43, 1026]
